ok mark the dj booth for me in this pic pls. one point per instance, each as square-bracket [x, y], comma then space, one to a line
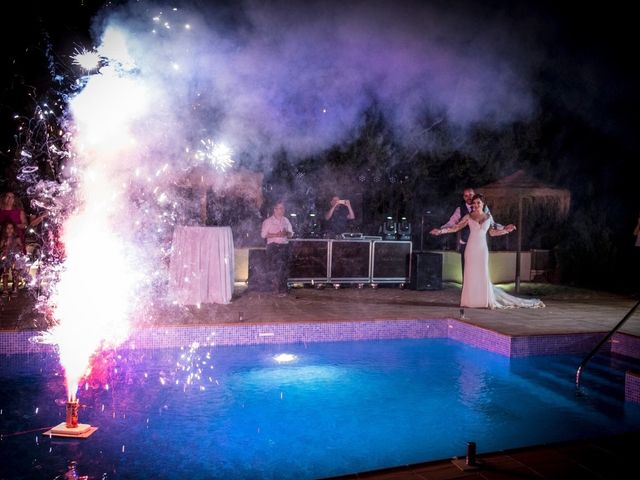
[359, 261]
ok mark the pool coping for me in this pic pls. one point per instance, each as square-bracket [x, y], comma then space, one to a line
[168, 336]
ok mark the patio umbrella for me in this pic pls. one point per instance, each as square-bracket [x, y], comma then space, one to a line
[513, 190]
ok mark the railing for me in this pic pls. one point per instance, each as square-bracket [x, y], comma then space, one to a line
[603, 341]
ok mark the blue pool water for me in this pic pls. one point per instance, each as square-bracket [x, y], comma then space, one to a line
[337, 408]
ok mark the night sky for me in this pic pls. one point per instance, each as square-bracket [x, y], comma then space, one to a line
[562, 70]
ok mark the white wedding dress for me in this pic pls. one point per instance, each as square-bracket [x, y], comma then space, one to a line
[477, 289]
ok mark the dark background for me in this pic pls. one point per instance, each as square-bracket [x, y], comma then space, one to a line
[582, 137]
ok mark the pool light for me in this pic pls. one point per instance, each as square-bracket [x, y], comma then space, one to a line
[284, 357]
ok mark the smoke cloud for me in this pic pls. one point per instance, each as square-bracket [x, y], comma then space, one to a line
[271, 76]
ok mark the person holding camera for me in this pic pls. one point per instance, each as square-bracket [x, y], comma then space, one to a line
[338, 216]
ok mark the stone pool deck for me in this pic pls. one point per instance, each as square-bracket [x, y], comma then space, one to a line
[569, 310]
[608, 458]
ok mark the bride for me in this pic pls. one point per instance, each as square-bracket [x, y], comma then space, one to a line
[477, 289]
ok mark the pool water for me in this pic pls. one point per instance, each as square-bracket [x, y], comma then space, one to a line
[336, 408]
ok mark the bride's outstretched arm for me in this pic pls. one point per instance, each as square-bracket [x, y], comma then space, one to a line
[458, 226]
[494, 232]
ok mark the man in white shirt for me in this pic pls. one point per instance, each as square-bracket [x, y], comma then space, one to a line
[277, 231]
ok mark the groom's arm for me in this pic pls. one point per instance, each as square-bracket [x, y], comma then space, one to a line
[453, 220]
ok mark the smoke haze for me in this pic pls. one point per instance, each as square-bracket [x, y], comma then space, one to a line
[266, 76]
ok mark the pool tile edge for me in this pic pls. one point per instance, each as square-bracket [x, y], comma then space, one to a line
[306, 332]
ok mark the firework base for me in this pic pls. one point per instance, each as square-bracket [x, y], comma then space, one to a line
[83, 430]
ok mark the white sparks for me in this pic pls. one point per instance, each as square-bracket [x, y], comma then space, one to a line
[86, 59]
[218, 154]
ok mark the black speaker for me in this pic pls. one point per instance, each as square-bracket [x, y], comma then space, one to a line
[350, 259]
[391, 261]
[426, 271]
[308, 259]
[259, 280]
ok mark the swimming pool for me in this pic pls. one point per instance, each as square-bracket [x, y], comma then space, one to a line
[327, 409]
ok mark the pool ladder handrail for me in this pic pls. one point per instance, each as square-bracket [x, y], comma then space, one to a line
[603, 341]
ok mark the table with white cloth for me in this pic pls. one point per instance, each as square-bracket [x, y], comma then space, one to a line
[201, 268]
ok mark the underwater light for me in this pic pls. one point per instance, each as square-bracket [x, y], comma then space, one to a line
[284, 357]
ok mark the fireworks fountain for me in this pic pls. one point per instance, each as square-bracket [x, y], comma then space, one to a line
[99, 265]
[103, 278]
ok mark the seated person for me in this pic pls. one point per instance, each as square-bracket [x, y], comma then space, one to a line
[11, 210]
[338, 217]
[11, 258]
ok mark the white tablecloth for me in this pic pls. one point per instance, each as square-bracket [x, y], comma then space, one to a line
[201, 268]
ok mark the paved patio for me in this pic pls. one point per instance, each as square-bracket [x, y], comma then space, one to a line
[569, 310]
[597, 459]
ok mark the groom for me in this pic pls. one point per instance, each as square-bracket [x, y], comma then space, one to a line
[463, 209]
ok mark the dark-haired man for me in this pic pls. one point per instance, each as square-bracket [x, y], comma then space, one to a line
[338, 216]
